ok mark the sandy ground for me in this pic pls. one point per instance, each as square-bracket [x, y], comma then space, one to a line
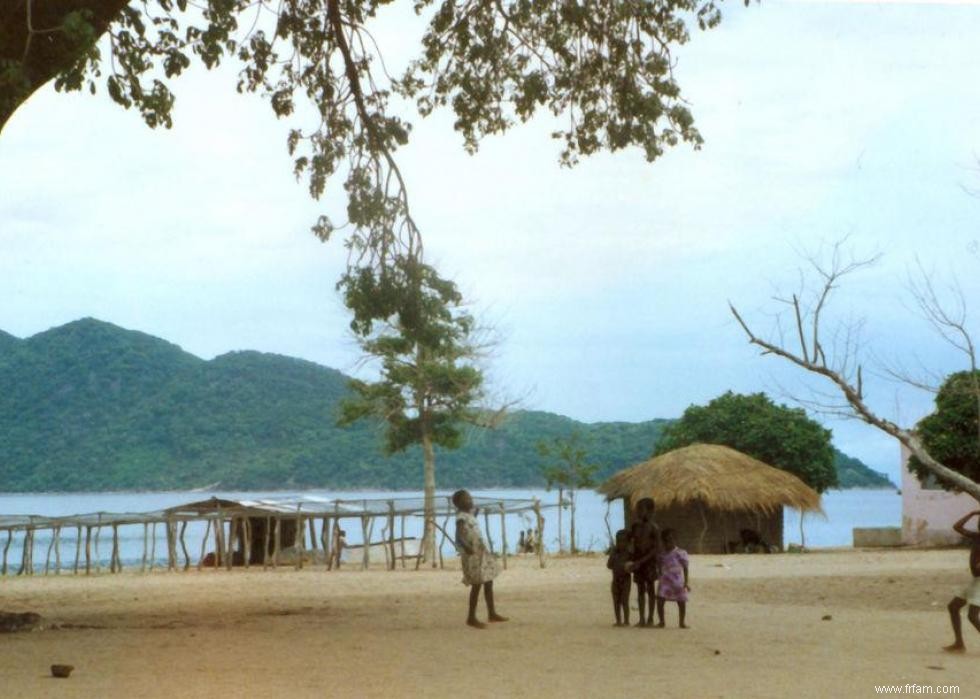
[757, 631]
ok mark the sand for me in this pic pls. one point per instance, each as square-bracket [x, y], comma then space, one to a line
[757, 631]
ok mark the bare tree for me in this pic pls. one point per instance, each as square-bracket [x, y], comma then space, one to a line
[844, 369]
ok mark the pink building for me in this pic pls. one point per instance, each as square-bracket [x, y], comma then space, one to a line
[928, 511]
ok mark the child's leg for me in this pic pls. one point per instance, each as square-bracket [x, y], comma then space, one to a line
[625, 600]
[651, 596]
[474, 596]
[491, 610]
[973, 614]
[660, 612]
[682, 610]
[641, 601]
[617, 602]
[954, 608]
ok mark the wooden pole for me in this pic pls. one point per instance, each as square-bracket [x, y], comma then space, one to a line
[325, 539]
[486, 528]
[299, 544]
[312, 525]
[115, 565]
[88, 550]
[153, 545]
[366, 557]
[391, 532]
[47, 557]
[78, 548]
[230, 544]
[442, 541]
[204, 543]
[503, 534]
[171, 544]
[25, 555]
[704, 527]
[219, 540]
[57, 550]
[6, 548]
[265, 545]
[98, 556]
[146, 546]
[539, 539]
[247, 541]
[183, 545]
[275, 552]
[403, 541]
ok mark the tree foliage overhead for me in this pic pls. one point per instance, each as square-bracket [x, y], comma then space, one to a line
[775, 434]
[951, 434]
[605, 67]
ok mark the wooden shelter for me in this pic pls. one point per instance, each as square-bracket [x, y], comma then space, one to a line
[708, 494]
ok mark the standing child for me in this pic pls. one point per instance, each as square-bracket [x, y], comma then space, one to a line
[621, 583]
[479, 565]
[672, 585]
[645, 540]
[971, 593]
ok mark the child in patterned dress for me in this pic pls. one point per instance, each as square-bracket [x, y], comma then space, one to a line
[673, 582]
[478, 564]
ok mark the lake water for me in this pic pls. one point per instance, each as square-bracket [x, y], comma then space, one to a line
[845, 510]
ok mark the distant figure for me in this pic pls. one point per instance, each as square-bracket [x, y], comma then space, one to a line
[971, 593]
[618, 559]
[478, 564]
[673, 582]
[530, 542]
[339, 543]
[521, 543]
[645, 540]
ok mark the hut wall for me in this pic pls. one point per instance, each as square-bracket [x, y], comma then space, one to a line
[723, 527]
[928, 511]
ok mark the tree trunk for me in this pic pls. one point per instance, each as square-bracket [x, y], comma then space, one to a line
[571, 536]
[561, 499]
[429, 536]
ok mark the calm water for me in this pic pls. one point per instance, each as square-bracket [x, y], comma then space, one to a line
[845, 510]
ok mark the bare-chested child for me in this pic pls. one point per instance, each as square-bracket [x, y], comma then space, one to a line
[478, 564]
[645, 538]
[621, 584]
[970, 596]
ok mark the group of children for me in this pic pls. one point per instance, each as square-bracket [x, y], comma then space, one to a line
[643, 555]
[650, 558]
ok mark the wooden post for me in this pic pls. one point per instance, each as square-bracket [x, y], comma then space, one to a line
[366, 557]
[88, 550]
[704, 527]
[247, 541]
[230, 544]
[6, 548]
[312, 525]
[183, 544]
[391, 532]
[539, 539]
[299, 543]
[486, 528]
[278, 545]
[115, 565]
[146, 546]
[204, 543]
[98, 556]
[503, 535]
[219, 540]
[25, 554]
[265, 545]
[171, 544]
[442, 541]
[47, 557]
[612, 539]
[57, 550]
[325, 539]
[78, 548]
[403, 541]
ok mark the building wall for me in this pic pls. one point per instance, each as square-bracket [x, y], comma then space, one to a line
[723, 527]
[928, 514]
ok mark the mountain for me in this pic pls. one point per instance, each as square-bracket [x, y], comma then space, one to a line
[90, 406]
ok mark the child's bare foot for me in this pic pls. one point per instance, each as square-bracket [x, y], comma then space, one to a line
[640, 624]
[496, 617]
[955, 648]
[683, 626]
[476, 624]
[659, 625]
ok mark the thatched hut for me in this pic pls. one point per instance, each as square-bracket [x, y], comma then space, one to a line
[710, 493]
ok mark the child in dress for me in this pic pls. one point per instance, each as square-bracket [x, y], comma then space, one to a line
[479, 565]
[621, 582]
[673, 581]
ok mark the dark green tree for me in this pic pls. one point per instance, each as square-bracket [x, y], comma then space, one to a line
[775, 434]
[567, 468]
[950, 434]
[429, 385]
[604, 66]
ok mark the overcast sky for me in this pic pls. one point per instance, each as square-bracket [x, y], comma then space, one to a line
[608, 283]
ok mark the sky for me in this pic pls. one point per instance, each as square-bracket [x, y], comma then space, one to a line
[607, 284]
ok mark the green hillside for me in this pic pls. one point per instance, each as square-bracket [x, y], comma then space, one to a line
[91, 406]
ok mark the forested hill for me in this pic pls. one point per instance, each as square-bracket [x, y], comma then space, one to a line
[91, 406]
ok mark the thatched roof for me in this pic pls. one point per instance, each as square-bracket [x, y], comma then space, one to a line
[717, 476]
